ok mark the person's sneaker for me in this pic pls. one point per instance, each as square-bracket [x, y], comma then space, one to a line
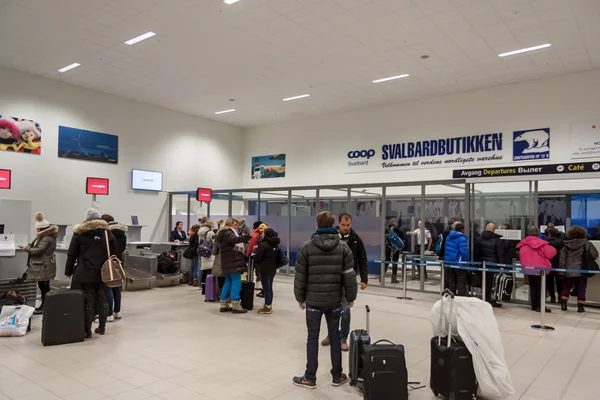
[236, 308]
[110, 318]
[302, 382]
[495, 304]
[266, 310]
[117, 315]
[38, 311]
[345, 346]
[325, 342]
[260, 294]
[100, 331]
[341, 381]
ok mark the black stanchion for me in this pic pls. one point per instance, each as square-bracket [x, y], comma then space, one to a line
[542, 326]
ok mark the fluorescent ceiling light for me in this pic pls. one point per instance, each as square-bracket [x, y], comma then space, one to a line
[391, 78]
[137, 39]
[230, 2]
[69, 67]
[302, 96]
[225, 111]
[512, 53]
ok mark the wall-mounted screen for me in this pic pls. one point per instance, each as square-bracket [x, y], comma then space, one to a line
[146, 180]
[203, 194]
[4, 178]
[97, 186]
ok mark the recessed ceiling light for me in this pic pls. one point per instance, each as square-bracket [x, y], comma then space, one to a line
[302, 96]
[137, 39]
[230, 2]
[225, 111]
[391, 78]
[512, 53]
[69, 67]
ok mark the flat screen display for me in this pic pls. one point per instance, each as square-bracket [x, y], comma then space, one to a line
[146, 180]
[4, 178]
[97, 186]
[203, 194]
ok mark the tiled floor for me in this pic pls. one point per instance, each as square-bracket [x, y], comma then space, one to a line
[172, 345]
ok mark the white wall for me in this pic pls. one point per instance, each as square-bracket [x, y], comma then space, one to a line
[317, 147]
[189, 150]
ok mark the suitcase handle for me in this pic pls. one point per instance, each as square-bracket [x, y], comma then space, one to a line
[446, 294]
[383, 341]
[368, 309]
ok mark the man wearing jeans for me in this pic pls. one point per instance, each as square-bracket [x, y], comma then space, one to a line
[359, 254]
[324, 275]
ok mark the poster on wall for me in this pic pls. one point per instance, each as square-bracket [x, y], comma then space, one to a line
[20, 135]
[79, 144]
[585, 139]
[532, 144]
[272, 166]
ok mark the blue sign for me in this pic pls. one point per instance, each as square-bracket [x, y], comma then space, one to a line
[532, 144]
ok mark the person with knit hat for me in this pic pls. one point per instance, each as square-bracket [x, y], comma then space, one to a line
[257, 229]
[41, 263]
[89, 249]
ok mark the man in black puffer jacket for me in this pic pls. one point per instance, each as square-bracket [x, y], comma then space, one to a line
[489, 248]
[324, 274]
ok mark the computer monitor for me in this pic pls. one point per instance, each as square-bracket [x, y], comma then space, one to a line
[134, 220]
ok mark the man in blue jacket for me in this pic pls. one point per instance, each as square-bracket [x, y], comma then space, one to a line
[456, 249]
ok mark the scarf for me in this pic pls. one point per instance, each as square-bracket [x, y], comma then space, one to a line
[238, 246]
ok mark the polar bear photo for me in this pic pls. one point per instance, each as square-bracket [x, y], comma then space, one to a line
[537, 141]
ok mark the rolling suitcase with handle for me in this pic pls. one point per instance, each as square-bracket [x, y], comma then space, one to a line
[358, 340]
[64, 317]
[210, 290]
[247, 293]
[452, 374]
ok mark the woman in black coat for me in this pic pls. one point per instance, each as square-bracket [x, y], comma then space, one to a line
[266, 259]
[233, 263]
[554, 281]
[114, 293]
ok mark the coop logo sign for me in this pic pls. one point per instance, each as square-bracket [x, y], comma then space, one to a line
[361, 155]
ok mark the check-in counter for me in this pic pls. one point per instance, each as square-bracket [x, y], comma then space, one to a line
[13, 267]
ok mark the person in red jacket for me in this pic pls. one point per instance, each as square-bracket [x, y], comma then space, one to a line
[257, 229]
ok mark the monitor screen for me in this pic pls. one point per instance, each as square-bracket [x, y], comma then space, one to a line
[4, 178]
[146, 180]
[97, 186]
[203, 194]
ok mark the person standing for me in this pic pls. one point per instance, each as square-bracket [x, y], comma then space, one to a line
[178, 234]
[359, 255]
[194, 274]
[489, 248]
[206, 234]
[424, 237]
[41, 263]
[233, 263]
[89, 249]
[392, 255]
[455, 250]
[114, 294]
[555, 281]
[577, 249]
[265, 256]
[324, 274]
[535, 253]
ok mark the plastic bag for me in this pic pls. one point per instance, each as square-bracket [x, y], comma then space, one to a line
[14, 320]
[474, 322]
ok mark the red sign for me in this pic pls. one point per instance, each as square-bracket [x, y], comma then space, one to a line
[4, 178]
[203, 194]
[97, 186]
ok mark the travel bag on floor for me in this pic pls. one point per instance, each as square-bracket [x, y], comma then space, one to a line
[247, 293]
[211, 288]
[502, 287]
[64, 317]
[358, 340]
[452, 375]
[15, 320]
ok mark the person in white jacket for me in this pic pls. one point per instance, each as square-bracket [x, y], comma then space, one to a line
[206, 233]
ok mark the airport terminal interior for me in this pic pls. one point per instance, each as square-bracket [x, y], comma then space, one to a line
[429, 124]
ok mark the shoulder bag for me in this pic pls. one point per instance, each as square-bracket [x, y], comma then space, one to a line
[281, 260]
[112, 271]
[588, 262]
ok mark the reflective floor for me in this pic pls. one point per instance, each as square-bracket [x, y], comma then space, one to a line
[172, 345]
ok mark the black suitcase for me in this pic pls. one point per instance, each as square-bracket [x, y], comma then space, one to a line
[358, 340]
[247, 293]
[452, 375]
[64, 317]
[502, 287]
[384, 372]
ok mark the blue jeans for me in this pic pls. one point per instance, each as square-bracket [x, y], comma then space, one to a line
[194, 274]
[313, 325]
[114, 300]
[267, 285]
[232, 287]
[344, 320]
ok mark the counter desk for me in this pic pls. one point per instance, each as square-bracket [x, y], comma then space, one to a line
[13, 267]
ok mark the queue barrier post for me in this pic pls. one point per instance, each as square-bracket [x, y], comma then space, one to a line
[403, 297]
[442, 277]
[542, 326]
[483, 281]
[382, 273]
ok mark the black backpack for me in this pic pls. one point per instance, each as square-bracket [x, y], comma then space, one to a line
[166, 264]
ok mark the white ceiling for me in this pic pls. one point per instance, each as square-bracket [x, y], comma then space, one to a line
[260, 51]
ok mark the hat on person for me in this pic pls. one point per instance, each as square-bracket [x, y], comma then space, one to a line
[263, 226]
[257, 224]
[41, 221]
[92, 213]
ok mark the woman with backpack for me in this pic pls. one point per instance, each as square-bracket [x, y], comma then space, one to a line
[207, 236]
[266, 259]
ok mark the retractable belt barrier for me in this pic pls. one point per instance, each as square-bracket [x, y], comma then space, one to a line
[483, 267]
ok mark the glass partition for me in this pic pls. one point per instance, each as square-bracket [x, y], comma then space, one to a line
[277, 216]
[180, 204]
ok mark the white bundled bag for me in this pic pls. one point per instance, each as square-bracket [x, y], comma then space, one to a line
[474, 322]
[14, 320]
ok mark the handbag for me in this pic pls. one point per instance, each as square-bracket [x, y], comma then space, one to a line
[589, 263]
[189, 253]
[112, 271]
[281, 260]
